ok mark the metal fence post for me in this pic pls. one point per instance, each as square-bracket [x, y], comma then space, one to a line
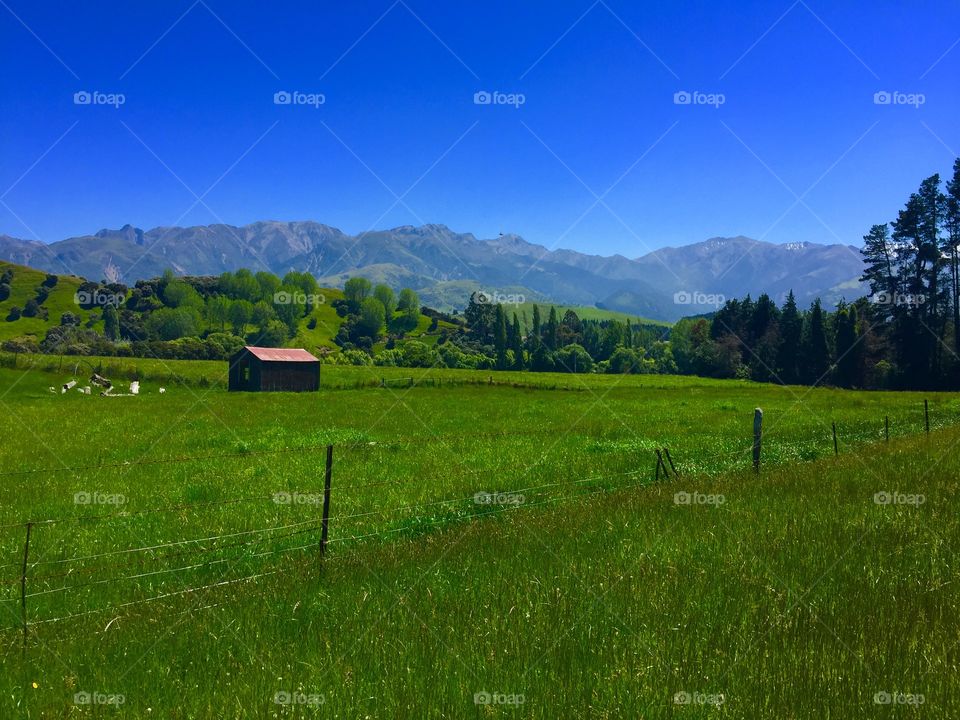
[23, 583]
[326, 501]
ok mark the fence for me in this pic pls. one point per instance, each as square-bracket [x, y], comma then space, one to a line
[40, 577]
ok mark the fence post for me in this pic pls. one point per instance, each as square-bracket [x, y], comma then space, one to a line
[926, 415]
[23, 583]
[836, 449]
[326, 502]
[886, 427]
[757, 436]
[659, 465]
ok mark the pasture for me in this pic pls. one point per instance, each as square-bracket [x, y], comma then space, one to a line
[174, 555]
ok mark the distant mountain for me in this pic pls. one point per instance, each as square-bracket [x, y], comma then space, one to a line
[445, 267]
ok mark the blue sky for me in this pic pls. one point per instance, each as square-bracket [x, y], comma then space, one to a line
[599, 157]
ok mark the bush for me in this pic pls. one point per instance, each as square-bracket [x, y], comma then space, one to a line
[4, 291]
[14, 314]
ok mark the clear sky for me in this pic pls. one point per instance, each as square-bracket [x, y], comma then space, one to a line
[598, 157]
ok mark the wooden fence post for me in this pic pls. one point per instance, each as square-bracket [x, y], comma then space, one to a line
[326, 502]
[661, 465]
[836, 449]
[23, 583]
[757, 437]
[926, 415]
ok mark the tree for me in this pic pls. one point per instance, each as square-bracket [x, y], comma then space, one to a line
[791, 331]
[500, 337]
[551, 330]
[534, 337]
[408, 306]
[31, 308]
[273, 334]
[953, 247]
[218, 311]
[356, 290]
[385, 295]
[517, 344]
[111, 322]
[372, 318]
[849, 348]
[880, 268]
[241, 313]
[173, 323]
[573, 358]
[815, 349]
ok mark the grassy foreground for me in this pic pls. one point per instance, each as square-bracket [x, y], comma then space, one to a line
[795, 594]
[798, 596]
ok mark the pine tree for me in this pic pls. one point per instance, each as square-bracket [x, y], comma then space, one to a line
[816, 350]
[791, 331]
[952, 244]
[881, 271]
[849, 350]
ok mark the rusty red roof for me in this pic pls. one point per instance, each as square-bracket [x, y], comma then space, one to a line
[281, 354]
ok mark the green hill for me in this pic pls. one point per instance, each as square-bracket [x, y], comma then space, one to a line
[24, 285]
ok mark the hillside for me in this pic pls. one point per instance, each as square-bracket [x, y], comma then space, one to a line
[445, 267]
[23, 285]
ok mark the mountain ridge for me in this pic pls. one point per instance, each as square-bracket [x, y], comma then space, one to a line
[442, 264]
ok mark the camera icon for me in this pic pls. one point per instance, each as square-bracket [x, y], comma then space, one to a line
[681, 698]
[81, 698]
[882, 98]
[281, 697]
[481, 298]
[682, 97]
[82, 297]
[82, 498]
[282, 298]
[482, 698]
[82, 97]
[282, 498]
[682, 498]
[882, 498]
[882, 698]
[482, 98]
[682, 298]
[282, 97]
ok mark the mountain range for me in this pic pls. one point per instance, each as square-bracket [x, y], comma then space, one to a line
[445, 267]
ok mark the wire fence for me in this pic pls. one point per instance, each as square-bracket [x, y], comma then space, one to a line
[42, 578]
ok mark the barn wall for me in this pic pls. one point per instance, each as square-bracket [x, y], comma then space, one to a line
[290, 377]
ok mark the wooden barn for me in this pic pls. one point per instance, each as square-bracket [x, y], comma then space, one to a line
[260, 369]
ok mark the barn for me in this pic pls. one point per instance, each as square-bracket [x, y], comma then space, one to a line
[260, 369]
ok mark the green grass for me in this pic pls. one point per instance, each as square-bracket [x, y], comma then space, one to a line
[598, 596]
[584, 312]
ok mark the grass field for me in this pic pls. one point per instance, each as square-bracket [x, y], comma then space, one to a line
[587, 591]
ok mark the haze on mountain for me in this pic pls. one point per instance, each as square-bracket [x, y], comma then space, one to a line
[445, 267]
